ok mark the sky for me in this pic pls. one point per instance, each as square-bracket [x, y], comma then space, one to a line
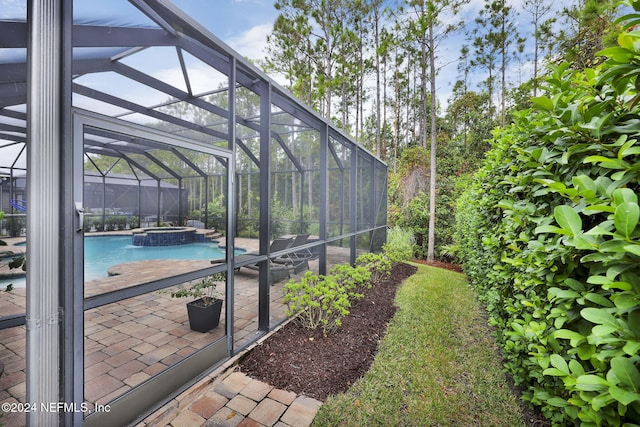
[245, 24]
[242, 24]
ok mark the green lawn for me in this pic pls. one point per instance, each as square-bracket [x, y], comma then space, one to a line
[438, 364]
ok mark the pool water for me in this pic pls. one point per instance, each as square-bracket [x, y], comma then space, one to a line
[102, 252]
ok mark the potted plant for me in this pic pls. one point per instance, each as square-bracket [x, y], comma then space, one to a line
[134, 222]
[204, 310]
[97, 224]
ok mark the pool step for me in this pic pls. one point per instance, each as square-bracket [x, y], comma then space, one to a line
[210, 234]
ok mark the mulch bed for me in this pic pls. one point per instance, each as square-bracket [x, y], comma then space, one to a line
[306, 362]
[440, 264]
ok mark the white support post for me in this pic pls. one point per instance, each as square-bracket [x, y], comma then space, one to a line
[43, 235]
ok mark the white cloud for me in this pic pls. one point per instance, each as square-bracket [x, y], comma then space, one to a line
[202, 78]
[253, 42]
[172, 76]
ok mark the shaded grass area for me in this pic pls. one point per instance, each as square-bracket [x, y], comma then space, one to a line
[438, 364]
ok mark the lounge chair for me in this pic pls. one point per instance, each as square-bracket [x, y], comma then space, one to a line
[298, 258]
[297, 261]
[279, 270]
[303, 254]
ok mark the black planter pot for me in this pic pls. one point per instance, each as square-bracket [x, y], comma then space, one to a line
[203, 318]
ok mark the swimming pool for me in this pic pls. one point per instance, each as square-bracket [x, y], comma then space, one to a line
[102, 252]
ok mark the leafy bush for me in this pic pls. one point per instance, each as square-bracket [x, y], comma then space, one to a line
[317, 301]
[19, 261]
[282, 219]
[322, 301]
[2, 242]
[95, 222]
[111, 223]
[248, 228]
[450, 252]
[217, 213]
[116, 222]
[379, 265]
[399, 244]
[353, 279]
[15, 226]
[549, 235]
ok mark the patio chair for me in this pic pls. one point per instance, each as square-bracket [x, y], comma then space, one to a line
[298, 261]
[278, 270]
[303, 254]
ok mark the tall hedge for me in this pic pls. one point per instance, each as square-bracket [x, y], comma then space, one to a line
[549, 236]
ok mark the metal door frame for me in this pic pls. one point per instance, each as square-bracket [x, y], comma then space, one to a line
[154, 392]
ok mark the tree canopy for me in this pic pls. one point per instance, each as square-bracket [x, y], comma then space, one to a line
[382, 70]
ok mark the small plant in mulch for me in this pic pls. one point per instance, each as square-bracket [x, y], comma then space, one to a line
[354, 279]
[317, 301]
[378, 264]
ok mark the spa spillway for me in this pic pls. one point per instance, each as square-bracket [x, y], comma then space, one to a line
[165, 236]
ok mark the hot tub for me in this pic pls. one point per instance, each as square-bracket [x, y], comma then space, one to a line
[165, 236]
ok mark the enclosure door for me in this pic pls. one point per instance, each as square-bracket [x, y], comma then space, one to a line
[134, 248]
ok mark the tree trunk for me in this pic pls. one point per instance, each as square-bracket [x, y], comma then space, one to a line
[432, 180]
[423, 90]
[504, 71]
[377, 47]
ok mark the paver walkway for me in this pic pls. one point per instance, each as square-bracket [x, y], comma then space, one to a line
[235, 399]
[227, 397]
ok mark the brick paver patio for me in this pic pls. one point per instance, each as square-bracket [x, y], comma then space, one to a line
[231, 398]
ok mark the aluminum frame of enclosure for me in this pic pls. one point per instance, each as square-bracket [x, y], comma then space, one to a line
[41, 106]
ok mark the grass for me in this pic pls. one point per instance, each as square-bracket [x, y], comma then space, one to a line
[437, 365]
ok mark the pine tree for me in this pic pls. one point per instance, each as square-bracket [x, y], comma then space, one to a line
[538, 9]
[496, 43]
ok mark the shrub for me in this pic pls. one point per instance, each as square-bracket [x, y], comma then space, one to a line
[399, 246]
[353, 279]
[317, 301]
[111, 223]
[282, 219]
[97, 223]
[549, 235]
[217, 212]
[19, 261]
[15, 226]
[378, 264]
[248, 228]
[322, 301]
[122, 222]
